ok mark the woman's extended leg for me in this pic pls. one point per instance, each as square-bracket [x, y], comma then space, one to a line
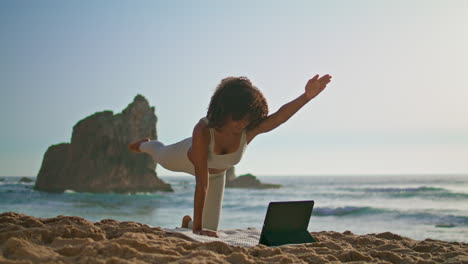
[172, 157]
[213, 202]
[152, 147]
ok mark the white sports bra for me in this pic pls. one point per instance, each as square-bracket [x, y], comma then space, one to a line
[225, 161]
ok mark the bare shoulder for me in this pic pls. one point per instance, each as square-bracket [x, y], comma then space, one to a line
[201, 133]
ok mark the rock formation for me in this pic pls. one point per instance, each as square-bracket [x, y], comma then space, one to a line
[97, 158]
[25, 179]
[246, 181]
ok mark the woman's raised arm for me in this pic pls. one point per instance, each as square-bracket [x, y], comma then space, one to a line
[313, 87]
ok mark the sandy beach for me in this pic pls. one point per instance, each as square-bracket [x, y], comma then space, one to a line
[71, 239]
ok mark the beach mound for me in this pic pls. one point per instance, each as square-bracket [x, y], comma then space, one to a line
[98, 160]
[71, 239]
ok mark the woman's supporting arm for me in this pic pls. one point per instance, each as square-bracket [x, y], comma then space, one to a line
[200, 142]
[201, 189]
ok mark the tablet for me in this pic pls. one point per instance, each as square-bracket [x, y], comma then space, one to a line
[286, 223]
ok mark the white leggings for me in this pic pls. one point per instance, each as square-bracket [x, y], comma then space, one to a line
[213, 202]
[174, 157]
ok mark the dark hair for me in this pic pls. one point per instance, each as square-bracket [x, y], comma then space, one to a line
[236, 96]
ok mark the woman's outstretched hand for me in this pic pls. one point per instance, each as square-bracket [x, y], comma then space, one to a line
[135, 146]
[205, 232]
[316, 85]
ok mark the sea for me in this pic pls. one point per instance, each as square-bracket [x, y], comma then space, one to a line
[414, 206]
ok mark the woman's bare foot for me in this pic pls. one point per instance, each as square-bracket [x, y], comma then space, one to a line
[135, 146]
[185, 221]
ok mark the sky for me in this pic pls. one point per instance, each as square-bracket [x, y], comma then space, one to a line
[397, 103]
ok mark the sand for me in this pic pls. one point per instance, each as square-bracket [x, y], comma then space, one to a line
[71, 239]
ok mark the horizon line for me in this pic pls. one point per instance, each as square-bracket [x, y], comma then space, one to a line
[315, 175]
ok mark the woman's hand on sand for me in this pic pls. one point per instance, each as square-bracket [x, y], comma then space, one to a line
[205, 232]
[316, 85]
[135, 146]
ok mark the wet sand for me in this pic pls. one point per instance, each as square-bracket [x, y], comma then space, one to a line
[71, 239]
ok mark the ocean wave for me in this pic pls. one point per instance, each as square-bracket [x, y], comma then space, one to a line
[417, 217]
[15, 188]
[438, 220]
[441, 195]
[346, 211]
[422, 191]
[407, 190]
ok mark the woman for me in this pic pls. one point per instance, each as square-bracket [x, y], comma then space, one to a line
[237, 113]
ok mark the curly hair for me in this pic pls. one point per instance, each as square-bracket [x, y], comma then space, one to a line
[236, 96]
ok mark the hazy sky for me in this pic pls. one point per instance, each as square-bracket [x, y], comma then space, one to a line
[397, 103]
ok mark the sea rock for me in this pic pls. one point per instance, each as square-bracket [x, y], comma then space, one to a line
[249, 181]
[25, 179]
[98, 160]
